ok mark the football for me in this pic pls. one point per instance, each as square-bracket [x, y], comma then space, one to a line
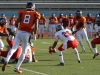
[51, 50]
[54, 50]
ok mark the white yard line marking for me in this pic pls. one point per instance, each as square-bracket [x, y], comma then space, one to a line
[46, 43]
[30, 70]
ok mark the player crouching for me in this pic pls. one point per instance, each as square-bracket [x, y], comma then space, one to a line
[68, 42]
[97, 39]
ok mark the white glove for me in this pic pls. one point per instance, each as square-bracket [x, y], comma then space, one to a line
[34, 37]
[11, 37]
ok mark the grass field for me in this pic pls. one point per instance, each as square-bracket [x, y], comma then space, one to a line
[47, 63]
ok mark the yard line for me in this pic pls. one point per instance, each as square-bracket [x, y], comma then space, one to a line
[30, 70]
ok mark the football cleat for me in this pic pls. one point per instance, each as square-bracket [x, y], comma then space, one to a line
[4, 66]
[17, 70]
[61, 64]
[83, 51]
[79, 61]
[96, 54]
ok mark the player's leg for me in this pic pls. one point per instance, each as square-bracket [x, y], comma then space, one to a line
[79, 38]
[87, 29]
[53, 30]
[1, 45]
[50, 31]
[93, 43]
[60, 49]
[73, 44]
[77, 54]
[91, 28]
[42, 31]
[39, 30]
[14, 48]
[24, 47]
[84, 34]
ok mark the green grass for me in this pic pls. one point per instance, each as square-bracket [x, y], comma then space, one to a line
[47, 62]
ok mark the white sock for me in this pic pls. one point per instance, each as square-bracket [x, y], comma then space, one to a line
[77, 54]
[60, 56]
[95, 50]
[20, 60]
[10, 53]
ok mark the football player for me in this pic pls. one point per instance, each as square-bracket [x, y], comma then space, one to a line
[42, 25]
[27, 21]
[97, 39]
[89, 22]
[12, 21]
[29, 56]
[2, 30]
[52, 25]
[68, 42]
[59, 19]
[71, 18]
[80, 24]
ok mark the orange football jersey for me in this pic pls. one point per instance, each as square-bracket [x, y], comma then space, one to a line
[79, 21]
[12, 21]
[27, 20]
[3, 29]
[60, 20]
[89, 20]
[42, 21]
[71, 21]
[52, 20]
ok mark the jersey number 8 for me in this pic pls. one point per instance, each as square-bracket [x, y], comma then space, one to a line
[26, 19]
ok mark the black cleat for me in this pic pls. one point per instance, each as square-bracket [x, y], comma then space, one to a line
[61, 64]
[83, 51]
[79, 61]
[96, 54]
[4, 66]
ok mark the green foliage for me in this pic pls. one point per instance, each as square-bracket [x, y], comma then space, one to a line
[47, 63]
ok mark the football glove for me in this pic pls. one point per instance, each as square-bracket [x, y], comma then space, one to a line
[10, 31]
[51, 50]
[74, 32]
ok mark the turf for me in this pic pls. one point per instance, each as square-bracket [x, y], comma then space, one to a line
[47, 63]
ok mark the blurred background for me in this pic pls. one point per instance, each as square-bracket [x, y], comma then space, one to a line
[47, 7]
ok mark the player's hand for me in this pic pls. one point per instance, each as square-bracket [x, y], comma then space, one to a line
[51, 50]
[34, 37]
[74, 32]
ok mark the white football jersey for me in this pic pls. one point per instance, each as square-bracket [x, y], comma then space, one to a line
[64, 35]
[97, 28]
